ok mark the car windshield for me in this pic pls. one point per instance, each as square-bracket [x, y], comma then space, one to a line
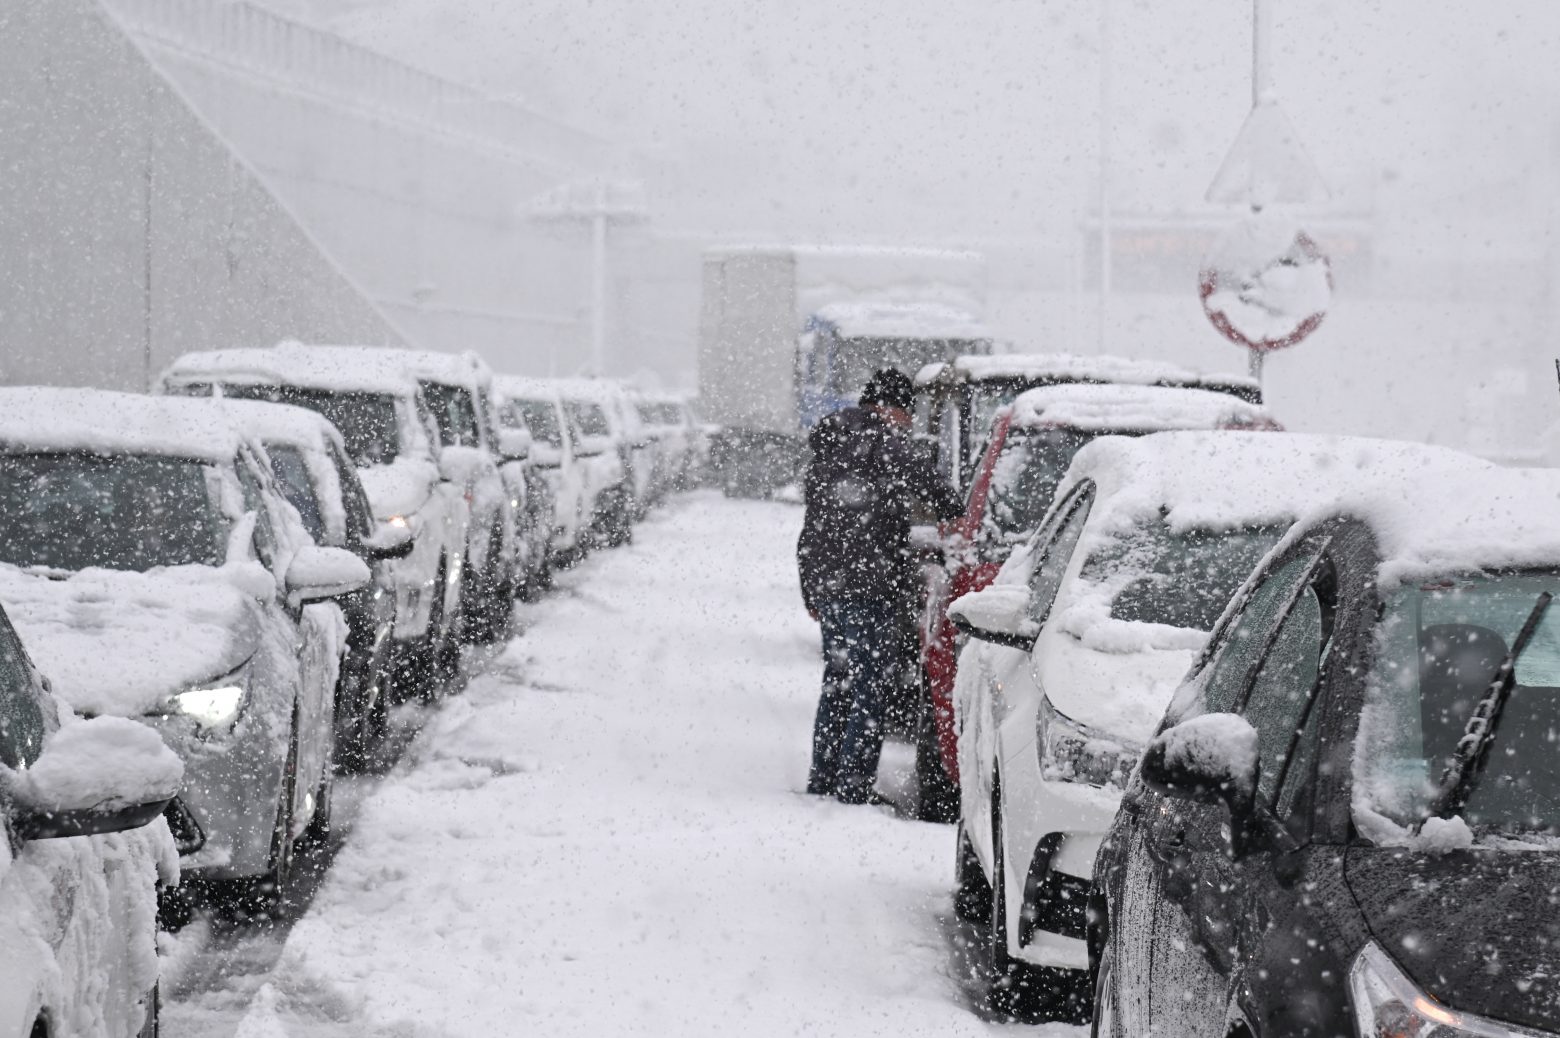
[1437, 649]
[540, 417]
[366, 420]
[1178, 578]
[70, 511]
[21, 720]
[1032, 463]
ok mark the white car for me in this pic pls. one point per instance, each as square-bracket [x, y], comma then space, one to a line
[624, 429]
[1073, 653]
[533, 404]
[391, 436]
[155, 572]
[608, 483]
[78, 907]
[666, 421]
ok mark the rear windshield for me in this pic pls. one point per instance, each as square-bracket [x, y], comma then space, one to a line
[1026, 475]
[366, 420]
[541, 418]
[69, 511]
[454, 412]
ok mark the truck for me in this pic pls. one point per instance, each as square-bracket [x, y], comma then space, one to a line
[789, 334]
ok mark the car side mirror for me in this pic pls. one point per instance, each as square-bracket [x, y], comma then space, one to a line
[1208, 759]
[514, 444]
[389, 541]
[317, 574]
[103, 775]
[998, 614]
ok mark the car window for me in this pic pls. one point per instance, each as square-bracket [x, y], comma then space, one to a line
[540, 417]
[254, 501]
[1227, 676]
[1047, 576]
[1284, 687]
[360, 517]
[367, 421]
[1025, 477]
[589, 418]
[454, 414]
[21, 716]
[291, 470]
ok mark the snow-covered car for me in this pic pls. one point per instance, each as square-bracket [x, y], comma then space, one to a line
[957, 400]
[667, 423]
[78, 907]
[390, 435]
[458, 392]
[533, 405]
[1074, 651]
[1031, 443]
[530, 496]
[312, 470]
[608, 486]
[1346, 822]
[633, 443]
[156, 572]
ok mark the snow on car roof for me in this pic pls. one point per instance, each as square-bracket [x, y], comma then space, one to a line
[348, 369]
[1433, 511]
[106, 422]
[596, 389]
[522, 387]
[283, 423]
[886, 320]
[1070, 366]
[1094, 407]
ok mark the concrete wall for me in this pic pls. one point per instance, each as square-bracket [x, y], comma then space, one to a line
[129, 231]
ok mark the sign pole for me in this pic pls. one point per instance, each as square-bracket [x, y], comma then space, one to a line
[1105, 103]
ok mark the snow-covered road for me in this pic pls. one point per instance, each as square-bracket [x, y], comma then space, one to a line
[605, 835]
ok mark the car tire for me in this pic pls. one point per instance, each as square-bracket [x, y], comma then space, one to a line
[1103, 1024]
[937, 797]
[972, 891]
[1016, 989]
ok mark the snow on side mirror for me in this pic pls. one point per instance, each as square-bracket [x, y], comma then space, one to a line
[317, 574]
[1209, 759]
[998, 614]
[514, 444]
[102, 775]
[389, 541]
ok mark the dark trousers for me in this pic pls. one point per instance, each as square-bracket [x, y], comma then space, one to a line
[860, 664]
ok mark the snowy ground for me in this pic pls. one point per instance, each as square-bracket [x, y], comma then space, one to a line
[604, 835]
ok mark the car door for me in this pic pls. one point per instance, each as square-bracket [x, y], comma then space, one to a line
[1188, 843]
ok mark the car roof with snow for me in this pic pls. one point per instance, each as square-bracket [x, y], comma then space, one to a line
[888, 320]
[596, 389]
[1093, 407]
[100, 421]
[1069, 367]
[346, 369]
[525, 387]
[284, 423]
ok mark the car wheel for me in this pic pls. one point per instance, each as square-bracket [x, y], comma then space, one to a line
[1104, 1024]
[972, 891]
[938, 797]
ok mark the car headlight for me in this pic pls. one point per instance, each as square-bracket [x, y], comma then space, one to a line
[1074, 752]
[1387, 1004]
[405, 522]
[215, 707]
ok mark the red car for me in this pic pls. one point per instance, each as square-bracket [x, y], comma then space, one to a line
[1030, 446]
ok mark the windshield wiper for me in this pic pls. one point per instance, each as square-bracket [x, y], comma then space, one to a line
[1473, 749]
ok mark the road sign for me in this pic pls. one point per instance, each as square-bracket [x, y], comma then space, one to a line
[1265, 285]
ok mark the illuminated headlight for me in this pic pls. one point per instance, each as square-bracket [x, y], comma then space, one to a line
[1074, 752]
[403, 521]
[1389, 1005]
[214, 707]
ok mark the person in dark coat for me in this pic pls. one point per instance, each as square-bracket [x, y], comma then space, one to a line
[858, 575]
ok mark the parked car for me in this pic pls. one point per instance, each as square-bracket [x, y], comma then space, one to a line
[390, 435]
[1346, 822]
[666, 422]
[156, 572]
[533, 404]
[1073, 654]
[78, 908]
[1032, 442]
[529, 495]
[956, 401]
[310, 465]
[609, 484]
[625, 430]
[458, 392]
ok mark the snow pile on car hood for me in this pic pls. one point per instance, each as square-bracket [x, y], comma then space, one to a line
[1134, 408]
[120, 643]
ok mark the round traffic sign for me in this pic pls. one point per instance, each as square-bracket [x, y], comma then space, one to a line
[1265, 284]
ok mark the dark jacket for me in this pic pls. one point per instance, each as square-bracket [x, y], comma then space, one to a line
[861, 483]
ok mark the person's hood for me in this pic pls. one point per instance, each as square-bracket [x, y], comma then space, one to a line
[1477, 929]
[120, 643]
[1123, 692]
[399, 488]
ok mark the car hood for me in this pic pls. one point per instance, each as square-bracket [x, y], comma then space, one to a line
[119, 643]
[1478, 929]
[1122, 693]
[399, 488]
